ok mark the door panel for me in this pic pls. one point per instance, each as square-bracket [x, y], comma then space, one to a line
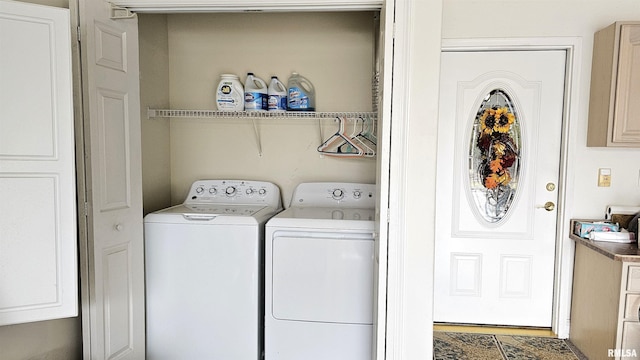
[495, 261]
[38, 254]
[323, 279]
[383, 72]
[112, 136]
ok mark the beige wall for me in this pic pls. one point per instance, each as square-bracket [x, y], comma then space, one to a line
[333, 50]
[154, 93]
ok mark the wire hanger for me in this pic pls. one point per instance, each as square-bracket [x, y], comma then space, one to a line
[340, 144]
[368, 146]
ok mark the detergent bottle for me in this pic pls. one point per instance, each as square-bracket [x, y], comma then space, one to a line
[255, 94]
[301, 94]
[277, 93]
[230, 93]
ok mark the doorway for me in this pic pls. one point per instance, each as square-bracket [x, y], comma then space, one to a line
[560, 280]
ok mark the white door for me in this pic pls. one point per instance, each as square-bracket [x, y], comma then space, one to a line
[499, 135]
[112, 136]
[383, 72]
[38, 254]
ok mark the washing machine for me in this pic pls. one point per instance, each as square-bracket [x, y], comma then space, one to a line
[204, 270]
[319, 274]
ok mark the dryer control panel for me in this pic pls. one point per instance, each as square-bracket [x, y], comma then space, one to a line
[331, 194]
[245, 192]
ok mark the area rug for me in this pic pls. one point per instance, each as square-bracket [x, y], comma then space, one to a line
[463, 346]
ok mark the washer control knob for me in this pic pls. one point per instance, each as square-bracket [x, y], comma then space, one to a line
[213, 191]
[250, 191]
[357, 194]
[230, 191]
[338, 194]
[262, 192]
[199, 190]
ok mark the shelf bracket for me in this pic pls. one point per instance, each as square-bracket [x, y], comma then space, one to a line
[257, 133]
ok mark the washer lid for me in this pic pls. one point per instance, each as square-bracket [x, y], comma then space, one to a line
[213, 209]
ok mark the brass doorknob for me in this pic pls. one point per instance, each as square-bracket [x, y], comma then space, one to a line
[549, 206]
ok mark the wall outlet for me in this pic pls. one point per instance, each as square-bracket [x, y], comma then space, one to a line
[604, 177]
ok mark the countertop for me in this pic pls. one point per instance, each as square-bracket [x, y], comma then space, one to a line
[627, 252]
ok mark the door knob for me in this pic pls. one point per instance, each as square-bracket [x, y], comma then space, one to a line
[549, 206]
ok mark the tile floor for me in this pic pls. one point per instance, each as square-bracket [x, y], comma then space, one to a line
[454, 342]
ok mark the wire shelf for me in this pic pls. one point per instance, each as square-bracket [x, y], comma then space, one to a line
[214, 114]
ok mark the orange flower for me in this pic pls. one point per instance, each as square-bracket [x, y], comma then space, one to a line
[491, 181]
[495, 165]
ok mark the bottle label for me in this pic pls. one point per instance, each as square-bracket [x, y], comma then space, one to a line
[228, 98]
[298, 99]
[277, 103]
[255, 101]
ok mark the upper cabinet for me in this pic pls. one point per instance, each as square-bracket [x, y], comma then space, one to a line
[614, 109]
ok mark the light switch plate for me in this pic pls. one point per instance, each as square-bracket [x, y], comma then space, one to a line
[604, 177]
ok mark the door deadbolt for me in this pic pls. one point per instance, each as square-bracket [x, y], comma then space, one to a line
[551, 186]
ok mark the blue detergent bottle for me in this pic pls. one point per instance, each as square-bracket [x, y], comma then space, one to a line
[301, 94]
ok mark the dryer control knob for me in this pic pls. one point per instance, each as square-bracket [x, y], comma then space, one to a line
[338, 194]
[213, 191]
[199, 190]
[262, 192]
[249, 191]
[230, 191]
[357, 194]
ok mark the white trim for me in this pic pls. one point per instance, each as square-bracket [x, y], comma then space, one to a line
[397, 180]
[177, 6]
[385, 53]
[412, 181]
[564, 245]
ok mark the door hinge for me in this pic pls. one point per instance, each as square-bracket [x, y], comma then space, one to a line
[78, 32]
[86, 209]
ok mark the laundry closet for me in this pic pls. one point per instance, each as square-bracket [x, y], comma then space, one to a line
[182, 53]
[181, 59]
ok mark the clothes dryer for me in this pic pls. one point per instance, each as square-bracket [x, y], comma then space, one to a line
[204, 271]
[319, 274]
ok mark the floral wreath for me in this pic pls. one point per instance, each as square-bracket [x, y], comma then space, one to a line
[497, 147]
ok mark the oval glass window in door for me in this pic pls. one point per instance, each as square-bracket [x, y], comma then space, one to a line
[494, 157]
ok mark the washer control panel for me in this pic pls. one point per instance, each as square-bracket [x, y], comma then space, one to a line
[346, 195]
[244, 192]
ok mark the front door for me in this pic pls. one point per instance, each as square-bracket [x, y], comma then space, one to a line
[499, 136]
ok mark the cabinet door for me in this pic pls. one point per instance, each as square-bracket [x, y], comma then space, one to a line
[626, 123]
[114, 181]
[38, 263]
[630, 339]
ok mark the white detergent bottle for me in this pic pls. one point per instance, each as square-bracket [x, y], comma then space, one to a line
[277, 93]
[255, 94]
[230, 93]
[302, 94]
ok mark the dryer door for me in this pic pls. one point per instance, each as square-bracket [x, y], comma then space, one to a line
[323, 277]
